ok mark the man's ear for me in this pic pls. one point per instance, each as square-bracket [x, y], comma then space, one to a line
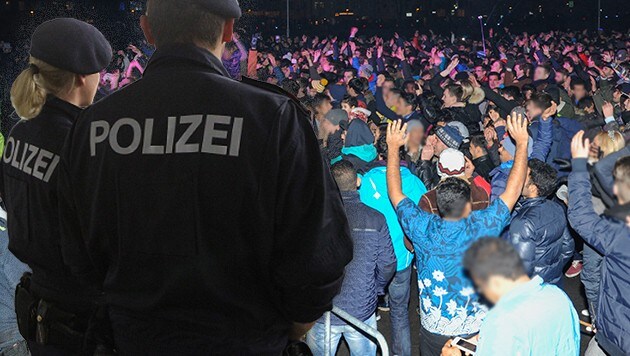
[358, 182]
[146, 29]
[228, 30]
[79, 80]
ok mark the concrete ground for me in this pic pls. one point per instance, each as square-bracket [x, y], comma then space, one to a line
[572, 286]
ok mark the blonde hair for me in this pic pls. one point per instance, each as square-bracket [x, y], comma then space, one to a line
[35, 83]
[610, 142]
[467, 89]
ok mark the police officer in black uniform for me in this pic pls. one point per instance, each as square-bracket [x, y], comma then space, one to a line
[211, 221]
[66, 56]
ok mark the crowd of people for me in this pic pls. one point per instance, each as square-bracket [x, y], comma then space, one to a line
[484, 172]
[455, 99]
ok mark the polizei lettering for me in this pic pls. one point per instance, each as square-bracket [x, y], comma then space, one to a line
[30, 159]
[213, 134]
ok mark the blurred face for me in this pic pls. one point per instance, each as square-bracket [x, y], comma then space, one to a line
[533, 111]
[494, 82]
[490, 289]
[387, 86]
[560, 78]
[616, 95]
[449, 99]
[415, 137]
[519, 71]
[347, 76]
[579, 92]
[402, 108]
[540, 74]
[324, 108]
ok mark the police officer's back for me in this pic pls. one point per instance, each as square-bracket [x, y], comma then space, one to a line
[210, 218]
[66, 57]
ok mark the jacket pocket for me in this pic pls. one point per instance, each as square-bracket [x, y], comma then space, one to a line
[158, 216]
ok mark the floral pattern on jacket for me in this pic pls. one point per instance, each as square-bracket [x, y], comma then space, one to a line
[449, 304]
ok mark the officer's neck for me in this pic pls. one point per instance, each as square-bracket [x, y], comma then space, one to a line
[217, 50]
[76, 98]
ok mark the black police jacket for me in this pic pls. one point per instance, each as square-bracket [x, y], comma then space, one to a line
[208, 212]
[30, 166]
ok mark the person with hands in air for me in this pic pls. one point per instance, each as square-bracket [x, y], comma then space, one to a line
[609, 234]
[448, 302]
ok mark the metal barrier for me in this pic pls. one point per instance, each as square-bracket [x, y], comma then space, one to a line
[357, 324]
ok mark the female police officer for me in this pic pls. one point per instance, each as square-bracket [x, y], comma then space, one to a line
[66, 58]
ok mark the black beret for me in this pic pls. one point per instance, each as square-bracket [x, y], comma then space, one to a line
[227, 9]
[72, 45]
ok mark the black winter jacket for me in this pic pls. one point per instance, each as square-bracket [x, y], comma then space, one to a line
[540, 235]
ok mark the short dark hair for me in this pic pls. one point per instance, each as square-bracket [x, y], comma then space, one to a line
[183, 21]
[455, 90]
[409, 99]
[345, 175]
[546, 67]
[452, 196]
[514, 92]
[350, 100]
[585, 102]
[494, 74]
[479, 141]
[577, 81]
[543, 176]
[490, 256]
[319, 99]
[541, 100]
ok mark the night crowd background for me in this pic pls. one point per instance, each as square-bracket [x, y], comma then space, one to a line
[345, 64]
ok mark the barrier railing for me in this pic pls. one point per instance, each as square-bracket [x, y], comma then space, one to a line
[357, 324]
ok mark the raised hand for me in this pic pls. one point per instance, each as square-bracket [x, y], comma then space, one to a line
[517, 128]
[550, 111]
[396, 135]
[608, 110]
[579, 146]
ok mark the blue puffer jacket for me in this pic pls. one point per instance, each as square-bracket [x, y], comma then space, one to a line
[373, 263]
[540, 235]
[611, 237]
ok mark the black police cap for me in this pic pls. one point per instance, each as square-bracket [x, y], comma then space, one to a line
[72, 45]
[227, 9]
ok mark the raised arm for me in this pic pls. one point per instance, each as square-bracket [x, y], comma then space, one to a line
[517, 128]
[396, 138]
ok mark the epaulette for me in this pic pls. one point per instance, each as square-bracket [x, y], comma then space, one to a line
[276, 90]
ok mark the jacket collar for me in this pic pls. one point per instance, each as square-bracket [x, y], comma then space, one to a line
[186, 53]
[526, 288]
[350, 196]
[60, 107]
[533, 201]
[619, 212]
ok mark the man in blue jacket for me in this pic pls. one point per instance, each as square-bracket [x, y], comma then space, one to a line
[374, 194]
[538, 230]
[372, 267]
[610, 236]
